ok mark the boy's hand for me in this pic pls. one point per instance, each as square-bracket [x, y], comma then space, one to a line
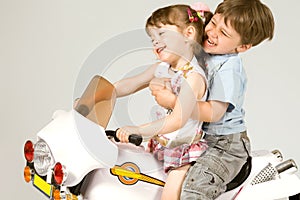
[162, 92]
[165, 98]
[160, 83]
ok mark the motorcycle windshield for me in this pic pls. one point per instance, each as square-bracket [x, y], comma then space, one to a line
[97, 102]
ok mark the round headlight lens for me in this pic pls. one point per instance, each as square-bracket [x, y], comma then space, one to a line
[43, 158]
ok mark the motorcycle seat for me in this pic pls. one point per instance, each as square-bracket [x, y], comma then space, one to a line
[241, 176]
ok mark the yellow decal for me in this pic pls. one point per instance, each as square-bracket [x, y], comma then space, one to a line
[129, 174]
[42, 185]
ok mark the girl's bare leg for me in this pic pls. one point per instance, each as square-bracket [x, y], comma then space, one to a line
[174, 182]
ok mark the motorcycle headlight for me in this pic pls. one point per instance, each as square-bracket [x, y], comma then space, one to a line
[43, 158]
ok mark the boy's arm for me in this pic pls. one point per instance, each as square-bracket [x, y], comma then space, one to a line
[210, 111]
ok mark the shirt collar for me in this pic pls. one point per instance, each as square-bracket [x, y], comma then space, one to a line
[213, 61]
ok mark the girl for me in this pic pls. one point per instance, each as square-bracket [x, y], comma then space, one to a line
[176, 32]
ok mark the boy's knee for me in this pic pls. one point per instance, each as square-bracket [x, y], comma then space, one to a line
[191, 195]
[202, 183]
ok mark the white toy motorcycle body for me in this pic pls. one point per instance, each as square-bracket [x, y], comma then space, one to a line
[76, 158]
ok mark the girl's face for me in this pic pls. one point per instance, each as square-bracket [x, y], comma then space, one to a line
[169, 44]
[221, 38]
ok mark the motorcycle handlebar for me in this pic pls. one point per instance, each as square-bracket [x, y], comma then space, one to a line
[133, 138]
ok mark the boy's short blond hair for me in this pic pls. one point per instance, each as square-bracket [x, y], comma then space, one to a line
[252, 19]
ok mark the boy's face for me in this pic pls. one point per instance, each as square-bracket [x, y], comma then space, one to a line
[221, 38]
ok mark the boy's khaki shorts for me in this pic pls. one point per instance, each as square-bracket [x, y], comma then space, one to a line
[222, 161]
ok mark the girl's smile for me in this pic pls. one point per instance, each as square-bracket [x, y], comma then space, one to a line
[169, 45]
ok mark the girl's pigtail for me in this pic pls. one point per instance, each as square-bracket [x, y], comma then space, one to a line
[203, 12]
[192, 18]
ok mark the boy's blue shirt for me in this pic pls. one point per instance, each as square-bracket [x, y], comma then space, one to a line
[226, 83]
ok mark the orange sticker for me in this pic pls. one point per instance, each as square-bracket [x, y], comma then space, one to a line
[129, 174]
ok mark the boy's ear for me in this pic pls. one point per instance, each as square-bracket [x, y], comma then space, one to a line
[190, 32]
[243, 48]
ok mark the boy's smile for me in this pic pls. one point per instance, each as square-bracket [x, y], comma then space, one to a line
[221, 37]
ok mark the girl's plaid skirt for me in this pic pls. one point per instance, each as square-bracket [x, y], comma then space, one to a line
[178, 156]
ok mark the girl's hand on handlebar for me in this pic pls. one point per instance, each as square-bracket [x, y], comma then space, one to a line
[124, 133]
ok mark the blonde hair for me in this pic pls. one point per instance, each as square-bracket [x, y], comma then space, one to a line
[252, 19]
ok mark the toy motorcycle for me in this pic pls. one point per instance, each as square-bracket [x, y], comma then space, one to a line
[75, 157]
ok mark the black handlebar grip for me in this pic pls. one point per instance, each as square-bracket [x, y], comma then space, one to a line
[134, 138]
[112, 134]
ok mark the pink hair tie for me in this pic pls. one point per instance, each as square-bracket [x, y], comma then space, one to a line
[200, 8]
[191, 17]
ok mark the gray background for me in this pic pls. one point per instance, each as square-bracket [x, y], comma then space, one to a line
[44, 43]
